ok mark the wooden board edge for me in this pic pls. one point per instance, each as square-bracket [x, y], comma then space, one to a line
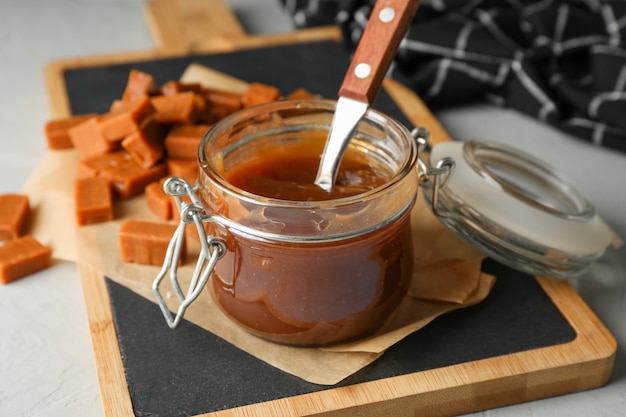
[54, 70]
[181, 25]
[582, 364]
[313, 34]
[416, 111]
[54, 82]
[116, 400]
[522, 377]
[410, 104]
[594, 340]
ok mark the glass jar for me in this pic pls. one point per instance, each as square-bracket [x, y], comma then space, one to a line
[301, 266]
[304, 267]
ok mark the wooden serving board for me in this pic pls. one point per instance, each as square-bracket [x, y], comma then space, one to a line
[455, 387]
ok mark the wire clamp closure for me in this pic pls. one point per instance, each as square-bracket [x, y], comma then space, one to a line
[212, 250]
[434, 178]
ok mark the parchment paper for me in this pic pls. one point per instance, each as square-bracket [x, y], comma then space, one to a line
[447, 277]
[447, 274]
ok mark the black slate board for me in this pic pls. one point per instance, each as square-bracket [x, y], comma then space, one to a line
[317, 66]
[190, 371]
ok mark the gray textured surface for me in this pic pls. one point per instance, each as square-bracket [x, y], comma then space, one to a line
[47, 367]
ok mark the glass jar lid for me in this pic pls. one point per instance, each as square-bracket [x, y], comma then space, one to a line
[517, 210]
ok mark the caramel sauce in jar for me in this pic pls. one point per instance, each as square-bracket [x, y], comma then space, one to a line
[305, 266]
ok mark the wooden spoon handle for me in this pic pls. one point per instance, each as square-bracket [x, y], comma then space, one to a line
[387, 25]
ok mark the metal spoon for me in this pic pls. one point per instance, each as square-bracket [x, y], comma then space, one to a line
[388, 23]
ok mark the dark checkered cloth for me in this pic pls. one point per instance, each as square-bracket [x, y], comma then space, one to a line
[562, 62]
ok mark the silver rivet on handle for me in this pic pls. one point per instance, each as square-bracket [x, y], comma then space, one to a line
[386, 15]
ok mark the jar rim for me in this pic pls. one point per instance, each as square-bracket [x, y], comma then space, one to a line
[404, 169]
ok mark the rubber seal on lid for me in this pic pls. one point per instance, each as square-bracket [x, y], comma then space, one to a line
[518, 210]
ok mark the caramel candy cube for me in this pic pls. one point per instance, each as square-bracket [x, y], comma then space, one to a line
[125, 118]
[101, 165]
[88, 139]
[139, 85]
[259, 93]
[14, 210]
[203, 115]
[186, 169]
[56, 131]
[219, 104]
[146, 144]
[145, 242]
[179, 108]
[182, 141]
[300, 93]
[126, 178]
[159, 203]
[93, 202]
[131, 180]
[22, 256]
[174, 87]
[231, 102]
